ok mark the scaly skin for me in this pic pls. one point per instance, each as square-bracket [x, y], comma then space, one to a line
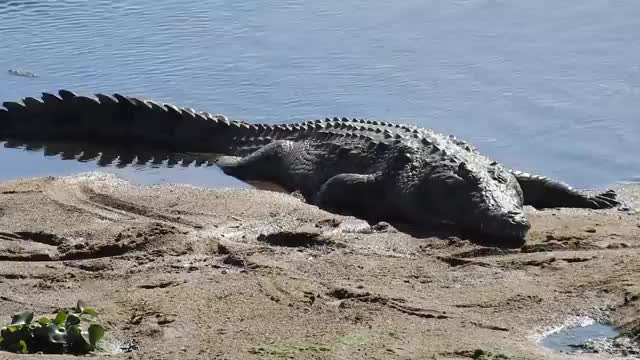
[372, 169]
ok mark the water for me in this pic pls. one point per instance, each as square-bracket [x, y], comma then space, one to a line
[544, 86]
[571, 339]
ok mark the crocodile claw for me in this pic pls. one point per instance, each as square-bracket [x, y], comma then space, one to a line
[605, 200]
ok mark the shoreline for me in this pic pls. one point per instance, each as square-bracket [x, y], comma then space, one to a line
[190, 272]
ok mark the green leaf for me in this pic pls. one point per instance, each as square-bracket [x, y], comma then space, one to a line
[20, 318]
[96, 332]
[61, 317]
[64, 333]
[89, 311]
[13, 328]
[72, 319]
[23, 346]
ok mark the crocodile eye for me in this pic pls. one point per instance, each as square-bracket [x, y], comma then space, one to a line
[464, 172]
[463, 169]
[499, 174]
[500, 177]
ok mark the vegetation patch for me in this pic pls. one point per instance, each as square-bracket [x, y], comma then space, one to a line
[67, 331]
[280, 350]
[487, 355]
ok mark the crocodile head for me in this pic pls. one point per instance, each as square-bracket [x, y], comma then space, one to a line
[477, 196]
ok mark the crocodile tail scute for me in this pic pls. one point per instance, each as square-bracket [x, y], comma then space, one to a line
[114, 120]
[4, 119]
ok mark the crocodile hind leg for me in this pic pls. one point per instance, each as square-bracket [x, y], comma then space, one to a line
[359, 195]
[270, 164]
[542, 192]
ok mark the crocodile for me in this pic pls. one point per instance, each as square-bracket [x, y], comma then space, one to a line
[372, 169]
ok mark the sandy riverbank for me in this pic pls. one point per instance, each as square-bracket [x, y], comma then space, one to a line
[240, 274]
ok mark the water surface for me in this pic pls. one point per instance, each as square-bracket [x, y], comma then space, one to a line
[571, 339]
[544, 86]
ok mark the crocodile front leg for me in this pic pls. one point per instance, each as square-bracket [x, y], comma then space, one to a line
[542, 192]
[359, 195]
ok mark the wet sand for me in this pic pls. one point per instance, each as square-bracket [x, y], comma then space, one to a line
[189, 273]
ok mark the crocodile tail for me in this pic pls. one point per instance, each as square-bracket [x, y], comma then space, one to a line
[60, 123]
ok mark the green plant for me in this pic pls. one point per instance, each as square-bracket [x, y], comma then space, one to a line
[73, 331]
[487, 355]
